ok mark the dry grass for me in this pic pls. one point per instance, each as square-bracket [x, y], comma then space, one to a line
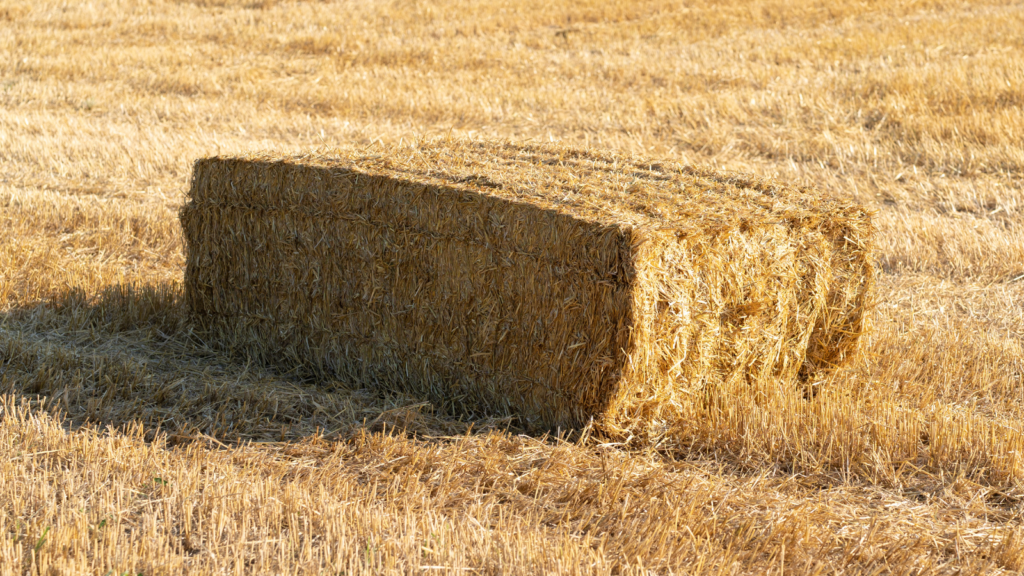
[910, 461]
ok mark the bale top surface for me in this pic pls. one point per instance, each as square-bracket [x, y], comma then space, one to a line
[598, 187]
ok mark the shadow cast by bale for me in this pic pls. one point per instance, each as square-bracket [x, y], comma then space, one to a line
[130, 356]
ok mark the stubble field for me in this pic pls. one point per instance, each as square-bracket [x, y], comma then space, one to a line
[128, 444]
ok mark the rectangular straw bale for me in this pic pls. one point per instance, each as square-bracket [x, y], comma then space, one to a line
[556, 284]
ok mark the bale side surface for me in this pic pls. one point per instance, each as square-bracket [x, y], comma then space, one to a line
[475, 300]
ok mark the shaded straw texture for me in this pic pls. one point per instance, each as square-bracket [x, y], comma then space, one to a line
[556, 284]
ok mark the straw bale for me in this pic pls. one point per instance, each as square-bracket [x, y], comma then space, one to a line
[556, 284]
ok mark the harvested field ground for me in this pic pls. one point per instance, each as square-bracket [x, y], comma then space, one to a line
[128, 444]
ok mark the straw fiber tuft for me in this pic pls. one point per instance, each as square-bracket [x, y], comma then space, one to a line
[556, 284]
